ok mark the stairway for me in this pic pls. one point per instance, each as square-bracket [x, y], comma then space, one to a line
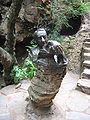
[84, 83]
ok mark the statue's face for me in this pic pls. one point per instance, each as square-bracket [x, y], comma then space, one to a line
[41, 41]
[41, 37]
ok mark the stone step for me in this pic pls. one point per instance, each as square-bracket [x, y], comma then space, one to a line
[86, 56]
[86, 50]
[83, 85]
[86, 63]
[87, 44]
[86, 73]
[87, 40]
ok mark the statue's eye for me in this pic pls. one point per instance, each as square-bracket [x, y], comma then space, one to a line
[49, 43]
[39, 38]
[44, 37]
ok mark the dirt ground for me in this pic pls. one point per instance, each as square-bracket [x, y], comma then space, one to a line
[73, 48]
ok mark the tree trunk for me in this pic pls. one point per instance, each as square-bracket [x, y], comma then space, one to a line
[7, 56]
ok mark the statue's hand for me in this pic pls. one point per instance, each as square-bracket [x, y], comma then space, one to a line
[43, 53]
[59, 49]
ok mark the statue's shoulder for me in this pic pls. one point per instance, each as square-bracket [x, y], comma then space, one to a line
[53, 42]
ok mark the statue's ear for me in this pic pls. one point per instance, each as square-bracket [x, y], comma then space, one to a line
[35, 33]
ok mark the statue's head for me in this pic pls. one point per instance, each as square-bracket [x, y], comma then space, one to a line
[40, 37]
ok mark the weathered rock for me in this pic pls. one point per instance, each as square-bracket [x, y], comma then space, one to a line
[21, 30]
[5, 2]
[3, 11]
[32, 14]
[46, 84]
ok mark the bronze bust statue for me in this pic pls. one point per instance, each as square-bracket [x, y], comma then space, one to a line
[50, 49]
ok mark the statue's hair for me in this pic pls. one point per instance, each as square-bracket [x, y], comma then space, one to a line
[38, 33]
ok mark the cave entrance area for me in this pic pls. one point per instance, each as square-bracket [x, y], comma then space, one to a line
[21, 54]
[75, 23]
[1, 76]
[0, 18]
[2, 40]
[21, 50]
[1, 69]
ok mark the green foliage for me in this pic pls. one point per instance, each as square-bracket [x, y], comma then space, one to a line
[27, 71]
[77, 7]
[67, 52]
[72, 8]
[86, 6]
[77, 10]
[59, 20]
[30, 68]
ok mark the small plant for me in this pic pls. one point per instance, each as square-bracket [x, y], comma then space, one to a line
[27, 71]
[30, 68]
[71, 37]
[67, 52]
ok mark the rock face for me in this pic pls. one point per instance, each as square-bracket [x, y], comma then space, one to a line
[3, 10]
[46, 83]
[32, 14]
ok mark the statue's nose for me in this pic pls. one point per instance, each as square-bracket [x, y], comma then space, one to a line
[43, 40]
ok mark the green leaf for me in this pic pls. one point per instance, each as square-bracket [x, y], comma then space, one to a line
[31, 73]
[16, 79]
